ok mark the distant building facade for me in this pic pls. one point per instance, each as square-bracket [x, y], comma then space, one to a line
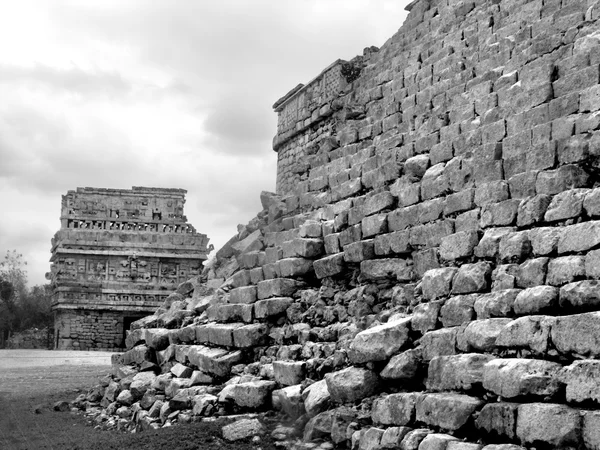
[118, 254]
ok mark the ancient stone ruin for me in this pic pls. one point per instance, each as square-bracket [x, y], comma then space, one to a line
[118, 255]
[427, 275]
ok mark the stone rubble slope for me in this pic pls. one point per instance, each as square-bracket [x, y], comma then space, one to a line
[432, 280]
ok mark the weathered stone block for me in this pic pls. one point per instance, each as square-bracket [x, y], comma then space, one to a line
[374, 225]
[498, 419]
[329, 266]
[278, 287]
[471, 278]
[496, 304]
[489, 245]
[536, 300]
[250, 335]
[581, 379]
[514, 247]
[566, 205]
[288, 373]
[532, 272]
[380, 342]
[499, 214]
[359, 251]
[529, 332]
[222, 333]
[551, 424]
[580, 295]
[578, 334]
[446, 411]
[565, 269]
[425, 316]
[579, 238]
[456, 372]
[531, 210]
[377, 203]
[438, 282]
[458, 310]
[316, 398]
[378, 269]
[481, 334]
[351, 384]
[395, 409]
[253, 394]
[592, 264]
[436, 441]
[458, 245]
[231, 312]
[271, 307]
[438, 343]
[245, 294]
[513, 377]
[403, 366]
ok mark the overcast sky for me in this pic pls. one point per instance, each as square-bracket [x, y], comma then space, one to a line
[157, 93]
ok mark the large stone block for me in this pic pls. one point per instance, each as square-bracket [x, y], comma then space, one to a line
[456, 372]
[458, 310]
[577, 334]
[271, 307]
[581, 379]
[514, 377]
[481, 334]
[253, 394]
[378, 269]
[245, 294]
[215, 361]
[250, 335]
[288, 373]
[329, 266]
[356, 252]
[438, 343]
[295, 267]
[496, 304]
[395, 409]
[404, 366]
[351, 384]
[536, 300]
[498, 419]
[529, 332]
[316, 398]
[425, 316]
[380, 342]
[438, 282]
[447, 411]
[231, 312]
[580, 295]
[580, 237]
[554, 425]
[278, 287]
[472, 278]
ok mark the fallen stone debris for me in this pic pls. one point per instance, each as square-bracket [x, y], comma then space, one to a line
[427, 276]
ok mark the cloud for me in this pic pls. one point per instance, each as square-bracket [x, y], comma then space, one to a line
[72, 80]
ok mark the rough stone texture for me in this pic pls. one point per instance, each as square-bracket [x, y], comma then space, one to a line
[144, 226]
[351, 384]
[380, 342]
[395, 409]
[456, 372]
[550, 424]
[446, 411]
[510, 378]
[242, 429]
[579, 334]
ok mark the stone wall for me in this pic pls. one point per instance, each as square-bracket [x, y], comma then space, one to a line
[429, 280]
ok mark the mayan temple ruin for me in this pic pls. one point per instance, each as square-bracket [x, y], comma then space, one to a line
[118, 255]
[427, 274]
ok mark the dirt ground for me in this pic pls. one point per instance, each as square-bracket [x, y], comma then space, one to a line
[31, 381]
